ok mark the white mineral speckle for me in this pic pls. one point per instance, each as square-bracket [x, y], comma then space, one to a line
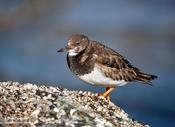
[35, 113]
[35, 105]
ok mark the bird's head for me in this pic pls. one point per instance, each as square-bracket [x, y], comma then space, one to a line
[76, 44]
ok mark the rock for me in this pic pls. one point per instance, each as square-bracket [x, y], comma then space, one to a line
[34, 105]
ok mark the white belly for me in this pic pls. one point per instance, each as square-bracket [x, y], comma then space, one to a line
[97, 78]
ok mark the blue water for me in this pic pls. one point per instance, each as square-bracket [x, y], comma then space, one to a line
[144, 32]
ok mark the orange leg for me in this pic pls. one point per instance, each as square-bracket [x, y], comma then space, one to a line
[108, 97]
[107, 93]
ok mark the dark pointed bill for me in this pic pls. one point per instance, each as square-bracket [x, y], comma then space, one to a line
[63, 49]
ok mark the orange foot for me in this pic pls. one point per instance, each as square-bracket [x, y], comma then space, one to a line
[107, 93]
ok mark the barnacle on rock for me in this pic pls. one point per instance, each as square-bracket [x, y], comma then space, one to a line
[32, 105]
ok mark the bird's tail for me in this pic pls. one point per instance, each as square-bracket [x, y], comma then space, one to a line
[145, 78]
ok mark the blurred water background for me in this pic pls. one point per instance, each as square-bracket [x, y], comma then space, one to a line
[31, 31]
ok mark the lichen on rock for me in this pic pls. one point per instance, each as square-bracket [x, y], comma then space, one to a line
[36, 105]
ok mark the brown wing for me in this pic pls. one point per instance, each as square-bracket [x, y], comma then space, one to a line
[114, 65]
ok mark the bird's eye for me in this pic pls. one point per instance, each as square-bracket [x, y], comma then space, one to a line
[78, 43]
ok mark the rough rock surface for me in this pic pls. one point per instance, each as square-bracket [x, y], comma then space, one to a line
[32, 105]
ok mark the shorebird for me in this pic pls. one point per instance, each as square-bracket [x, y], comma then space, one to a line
[99, 65]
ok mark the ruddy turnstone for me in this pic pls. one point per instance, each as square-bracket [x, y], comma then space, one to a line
[99, 65]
